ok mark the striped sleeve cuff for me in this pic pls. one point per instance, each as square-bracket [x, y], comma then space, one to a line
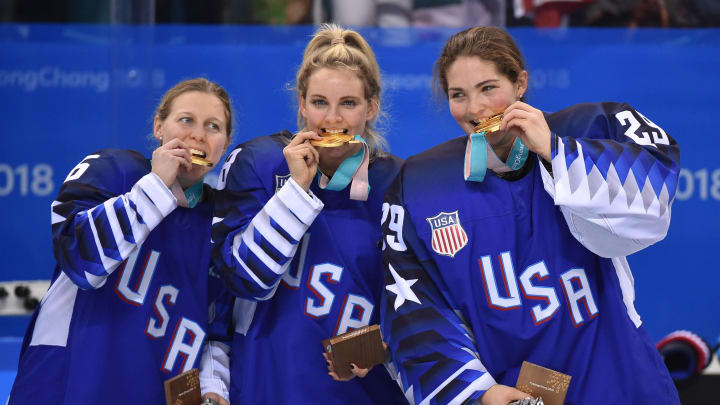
[158, 193]
[304, 205]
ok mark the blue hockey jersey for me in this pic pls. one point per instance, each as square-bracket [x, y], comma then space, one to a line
[308, 268]
[127, 307]
[530, 266]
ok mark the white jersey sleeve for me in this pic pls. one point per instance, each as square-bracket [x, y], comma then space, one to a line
[256, 231]
[96, 223]
[615, 191]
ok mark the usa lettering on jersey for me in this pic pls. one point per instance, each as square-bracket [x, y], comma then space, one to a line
[133, 286]
[355, 309]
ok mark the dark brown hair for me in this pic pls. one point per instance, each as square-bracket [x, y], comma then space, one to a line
[491, 44]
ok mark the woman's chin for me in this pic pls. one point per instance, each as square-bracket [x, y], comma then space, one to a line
[500, 138]
[192, 176]
[340, 152]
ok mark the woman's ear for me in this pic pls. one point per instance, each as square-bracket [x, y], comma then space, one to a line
[157, 129]
[522, 84]
[301, 105]
[373, 107]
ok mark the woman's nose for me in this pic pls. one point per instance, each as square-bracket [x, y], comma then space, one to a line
[197, 133]
[333, 115]
[476, 107]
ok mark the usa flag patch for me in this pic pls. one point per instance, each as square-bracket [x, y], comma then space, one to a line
[280, 181]
[448, 236]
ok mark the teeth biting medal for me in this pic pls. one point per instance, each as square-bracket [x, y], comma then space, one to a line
[490, 124]
[198, 158]
[332, 138]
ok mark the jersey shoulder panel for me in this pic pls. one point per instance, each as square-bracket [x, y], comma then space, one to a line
[252, 163]
[266, 146]
[435, 157]
[585, 120]
[114, 171]
[383, 170]
[438, 168]
[599, 121]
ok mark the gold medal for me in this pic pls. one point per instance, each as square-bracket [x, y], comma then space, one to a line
[198, 158]
[490, 124]
[333, 138]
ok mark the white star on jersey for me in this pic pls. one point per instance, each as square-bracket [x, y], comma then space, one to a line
[401, 288]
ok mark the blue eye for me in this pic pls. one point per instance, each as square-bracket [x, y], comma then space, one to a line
[214, 126]
[318, 102]
[185, 120]
[349, 103]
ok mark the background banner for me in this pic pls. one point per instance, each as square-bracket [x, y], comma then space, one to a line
[69, 90]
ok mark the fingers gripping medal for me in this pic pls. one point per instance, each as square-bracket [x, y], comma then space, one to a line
[198, 158]
[479, 155]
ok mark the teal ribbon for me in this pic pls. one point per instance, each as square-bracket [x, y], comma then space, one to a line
[194, 194]
[344, 173]
[478, 155]
[518, 155]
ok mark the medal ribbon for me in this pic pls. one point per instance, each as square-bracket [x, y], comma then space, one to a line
[190, 197]
[479, 156]
[355, 169]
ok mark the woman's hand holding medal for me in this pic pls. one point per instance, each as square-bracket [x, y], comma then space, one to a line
[302, 158]
[530, 125]
[168, 158]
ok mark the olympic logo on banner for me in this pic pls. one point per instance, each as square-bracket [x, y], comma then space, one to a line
[448, 236]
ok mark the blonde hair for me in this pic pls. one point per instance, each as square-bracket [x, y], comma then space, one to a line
[335, 47]
[204, 86]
